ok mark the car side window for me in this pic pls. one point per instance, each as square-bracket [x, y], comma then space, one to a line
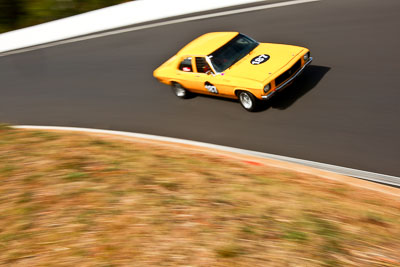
[186, 65]
[202, 65]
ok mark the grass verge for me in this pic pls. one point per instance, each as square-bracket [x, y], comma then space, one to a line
[68, 198]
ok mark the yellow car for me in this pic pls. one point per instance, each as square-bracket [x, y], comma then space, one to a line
[233, 65]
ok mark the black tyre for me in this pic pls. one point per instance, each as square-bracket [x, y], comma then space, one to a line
[248, 100]
[180, 91]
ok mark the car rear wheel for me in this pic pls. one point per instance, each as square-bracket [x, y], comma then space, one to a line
[180, 91]
[247, 100]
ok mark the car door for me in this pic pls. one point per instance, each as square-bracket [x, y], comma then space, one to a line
[208, 82]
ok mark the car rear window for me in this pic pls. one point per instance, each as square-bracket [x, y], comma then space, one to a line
[186, 65]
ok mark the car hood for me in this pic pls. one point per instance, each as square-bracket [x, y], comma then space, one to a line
[277, 55]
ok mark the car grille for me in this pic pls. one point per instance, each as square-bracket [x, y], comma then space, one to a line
[287, 74]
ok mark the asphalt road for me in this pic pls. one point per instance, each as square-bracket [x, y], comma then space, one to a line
[344, 110]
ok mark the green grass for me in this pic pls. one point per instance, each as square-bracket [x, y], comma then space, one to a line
[296, 236]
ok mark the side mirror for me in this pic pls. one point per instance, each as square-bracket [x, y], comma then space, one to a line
[209, 72]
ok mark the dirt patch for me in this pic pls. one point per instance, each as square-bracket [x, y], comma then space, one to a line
[78, 199]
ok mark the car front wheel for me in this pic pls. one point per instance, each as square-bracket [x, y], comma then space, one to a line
[180, 91]
[247, 100]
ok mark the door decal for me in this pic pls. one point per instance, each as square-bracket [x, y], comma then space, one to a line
[211, 88]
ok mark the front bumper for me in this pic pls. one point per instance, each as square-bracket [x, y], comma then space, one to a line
[283, 85]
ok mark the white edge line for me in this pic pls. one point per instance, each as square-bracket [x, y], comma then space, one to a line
[158, 24]
[370, 176]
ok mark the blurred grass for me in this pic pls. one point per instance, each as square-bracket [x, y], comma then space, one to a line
[68, 198]
[16, 14]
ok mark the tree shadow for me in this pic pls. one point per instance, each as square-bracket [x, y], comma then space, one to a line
[311, 76]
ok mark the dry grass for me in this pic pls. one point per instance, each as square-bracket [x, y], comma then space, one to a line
[73, 199]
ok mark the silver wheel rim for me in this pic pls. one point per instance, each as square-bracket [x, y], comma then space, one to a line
[245, 100]
[179, 91]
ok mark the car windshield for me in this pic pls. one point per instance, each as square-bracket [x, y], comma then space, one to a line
[233, 51]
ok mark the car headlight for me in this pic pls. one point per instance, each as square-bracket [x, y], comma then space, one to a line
[267, 88]
[306, 56]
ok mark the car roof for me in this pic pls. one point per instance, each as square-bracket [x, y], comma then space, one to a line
[207, 43]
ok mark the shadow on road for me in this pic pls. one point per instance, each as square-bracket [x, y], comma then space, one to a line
[311, 76]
